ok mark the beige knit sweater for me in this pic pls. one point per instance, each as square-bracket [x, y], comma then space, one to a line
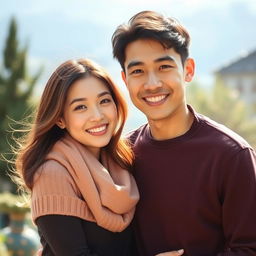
[73, 182]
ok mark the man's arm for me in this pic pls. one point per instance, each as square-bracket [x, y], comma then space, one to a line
[238, 197]
[239, 204]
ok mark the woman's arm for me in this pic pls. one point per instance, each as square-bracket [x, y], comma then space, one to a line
[64, 235]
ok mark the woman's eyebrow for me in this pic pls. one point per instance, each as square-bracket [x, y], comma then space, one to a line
[77, 99]
[84, 99]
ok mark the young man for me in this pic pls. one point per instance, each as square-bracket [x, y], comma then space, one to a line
[197, 178]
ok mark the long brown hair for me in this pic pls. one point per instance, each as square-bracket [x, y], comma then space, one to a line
[44, 132]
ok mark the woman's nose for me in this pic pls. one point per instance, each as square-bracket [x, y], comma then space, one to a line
[96, 114]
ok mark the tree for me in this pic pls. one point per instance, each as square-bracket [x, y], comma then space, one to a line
[223, 105]
[16, 88]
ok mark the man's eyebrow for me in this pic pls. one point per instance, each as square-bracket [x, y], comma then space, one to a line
[84, 99]
[134, 63]
[165, 58]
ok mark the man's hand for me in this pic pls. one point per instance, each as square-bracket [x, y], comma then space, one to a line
[172, 253]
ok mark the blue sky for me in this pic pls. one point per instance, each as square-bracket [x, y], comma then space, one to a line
[57, 30]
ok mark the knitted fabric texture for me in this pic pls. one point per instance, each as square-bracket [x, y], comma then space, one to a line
[73, 182]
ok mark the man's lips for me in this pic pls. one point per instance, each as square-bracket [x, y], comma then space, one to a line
[156, 99]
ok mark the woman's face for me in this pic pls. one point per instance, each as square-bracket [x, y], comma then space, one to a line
[90, 114]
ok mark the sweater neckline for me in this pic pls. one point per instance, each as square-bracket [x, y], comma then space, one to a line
[163, 143]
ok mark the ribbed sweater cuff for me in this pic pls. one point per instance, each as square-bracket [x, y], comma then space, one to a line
[59, 204]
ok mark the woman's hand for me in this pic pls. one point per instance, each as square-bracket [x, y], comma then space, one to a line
[39, 252]
[172, 253]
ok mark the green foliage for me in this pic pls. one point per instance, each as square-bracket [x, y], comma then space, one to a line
[3, 249]
[223, 105]
[10, 203]
[16, 88]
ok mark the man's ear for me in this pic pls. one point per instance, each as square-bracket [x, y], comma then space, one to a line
[60, 122]
[189, 69]
[123, 77]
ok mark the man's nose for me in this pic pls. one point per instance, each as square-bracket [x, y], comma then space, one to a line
[153, 82]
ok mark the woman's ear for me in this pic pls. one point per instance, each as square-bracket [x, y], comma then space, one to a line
[60, 122]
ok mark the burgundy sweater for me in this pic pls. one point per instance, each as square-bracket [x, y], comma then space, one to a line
[197, 192]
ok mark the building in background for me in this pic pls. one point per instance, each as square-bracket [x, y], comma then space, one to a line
[240, 75]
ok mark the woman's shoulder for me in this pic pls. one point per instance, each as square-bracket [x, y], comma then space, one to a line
[52, 178]
[54, 192]
[50, 171]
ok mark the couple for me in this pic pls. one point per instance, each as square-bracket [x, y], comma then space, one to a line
[196, 179]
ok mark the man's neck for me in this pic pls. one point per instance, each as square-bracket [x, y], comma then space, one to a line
[176, 125]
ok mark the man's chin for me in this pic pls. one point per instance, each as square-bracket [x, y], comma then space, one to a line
[156, 117]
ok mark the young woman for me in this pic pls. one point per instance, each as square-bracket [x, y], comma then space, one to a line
[76, 166]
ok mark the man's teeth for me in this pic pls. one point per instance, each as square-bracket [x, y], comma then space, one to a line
[155, 98]
[98, 129]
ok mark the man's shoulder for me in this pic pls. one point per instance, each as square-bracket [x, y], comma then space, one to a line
[222, 134]
[133, 135]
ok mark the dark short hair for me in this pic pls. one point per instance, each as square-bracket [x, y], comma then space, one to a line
[154, 26]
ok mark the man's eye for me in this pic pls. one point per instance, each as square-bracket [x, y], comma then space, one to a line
[165, 67]
[79, 107]
[104, 101]
[137, 71]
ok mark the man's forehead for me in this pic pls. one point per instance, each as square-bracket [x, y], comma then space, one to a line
[140, 47]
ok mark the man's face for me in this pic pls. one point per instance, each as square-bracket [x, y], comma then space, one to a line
[155, 78]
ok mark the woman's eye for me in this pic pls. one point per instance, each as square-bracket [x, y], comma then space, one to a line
[79, 107]
[104, 101]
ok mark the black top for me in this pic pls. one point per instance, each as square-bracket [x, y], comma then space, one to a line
[71, 236]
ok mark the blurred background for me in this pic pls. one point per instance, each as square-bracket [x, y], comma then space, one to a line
[36, 36]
